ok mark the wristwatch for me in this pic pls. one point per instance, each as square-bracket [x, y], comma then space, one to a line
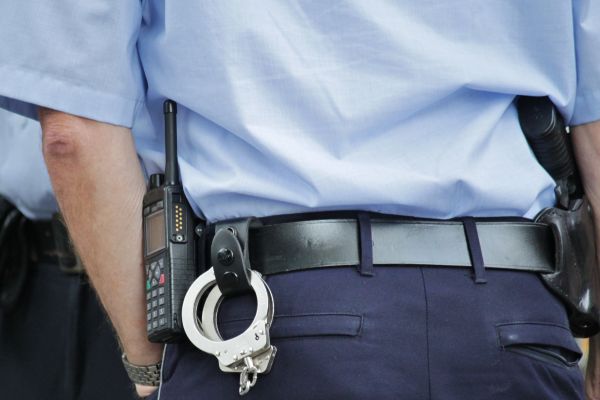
[148, 375]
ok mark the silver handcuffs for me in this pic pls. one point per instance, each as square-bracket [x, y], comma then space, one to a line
[249, 353]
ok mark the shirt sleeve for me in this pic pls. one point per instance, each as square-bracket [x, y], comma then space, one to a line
[587, 53]
[79, 57]
[22, 161]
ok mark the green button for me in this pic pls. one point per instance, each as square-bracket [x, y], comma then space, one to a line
[147, 284]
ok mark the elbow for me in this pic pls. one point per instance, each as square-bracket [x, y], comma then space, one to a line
[60, 139]
[59, 144]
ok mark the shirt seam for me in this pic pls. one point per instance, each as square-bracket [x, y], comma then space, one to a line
[70, 82]
[118, 109]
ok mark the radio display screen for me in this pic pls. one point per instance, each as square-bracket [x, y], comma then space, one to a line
[155, 232]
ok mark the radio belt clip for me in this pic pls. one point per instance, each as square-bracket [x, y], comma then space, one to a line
[251, 352]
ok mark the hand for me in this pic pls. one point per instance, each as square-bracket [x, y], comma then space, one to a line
[592, 386]
[144, 391]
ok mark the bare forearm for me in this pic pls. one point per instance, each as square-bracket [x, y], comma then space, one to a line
[586, 142]
[99, 185]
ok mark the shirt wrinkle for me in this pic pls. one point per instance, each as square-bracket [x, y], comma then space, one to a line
[404, 107]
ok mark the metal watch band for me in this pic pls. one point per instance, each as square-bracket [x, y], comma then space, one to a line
[148, 375]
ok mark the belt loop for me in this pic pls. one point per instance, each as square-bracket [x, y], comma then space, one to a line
[474, 246]
[366, 245]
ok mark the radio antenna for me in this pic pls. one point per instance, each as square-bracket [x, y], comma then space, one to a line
[171, 166]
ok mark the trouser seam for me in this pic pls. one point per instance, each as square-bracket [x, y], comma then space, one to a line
[426, 333]
[73, 349]
[162, 369]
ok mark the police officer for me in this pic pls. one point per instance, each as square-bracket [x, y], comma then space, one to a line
[397, 108]
[55, 340]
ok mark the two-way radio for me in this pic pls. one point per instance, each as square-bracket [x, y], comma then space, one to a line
[169, 242]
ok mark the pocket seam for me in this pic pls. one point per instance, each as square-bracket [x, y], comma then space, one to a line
[498, 341]
[298, 316]
[540, 355]
[533, 323]
[356, 333]
[507, 348]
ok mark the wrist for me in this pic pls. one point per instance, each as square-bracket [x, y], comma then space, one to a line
[144, 354]
[143, 375]
[135, 344]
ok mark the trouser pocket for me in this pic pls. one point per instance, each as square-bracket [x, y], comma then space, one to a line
[542, 342]
[302, 325]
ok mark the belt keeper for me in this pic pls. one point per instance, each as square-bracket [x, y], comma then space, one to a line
[366, 245]
[475, 253]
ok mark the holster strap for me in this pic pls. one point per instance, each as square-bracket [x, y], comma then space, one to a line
[52, 244]
[292, 246]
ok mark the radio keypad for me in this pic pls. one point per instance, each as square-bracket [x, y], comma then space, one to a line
[155, 295]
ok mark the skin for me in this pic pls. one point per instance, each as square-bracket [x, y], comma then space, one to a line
[100, 195]
[99, 185]
[586, 144]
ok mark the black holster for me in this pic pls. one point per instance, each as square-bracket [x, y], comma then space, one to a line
[576, 279]
[14, 255]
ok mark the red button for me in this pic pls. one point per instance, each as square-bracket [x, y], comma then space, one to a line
[162, 279]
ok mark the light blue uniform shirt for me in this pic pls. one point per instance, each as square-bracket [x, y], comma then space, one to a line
[401, 107]
[24, 180]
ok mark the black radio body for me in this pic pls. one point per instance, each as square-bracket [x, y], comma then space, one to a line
[169, 244]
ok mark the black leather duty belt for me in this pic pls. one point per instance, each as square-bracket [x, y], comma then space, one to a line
[293, 246]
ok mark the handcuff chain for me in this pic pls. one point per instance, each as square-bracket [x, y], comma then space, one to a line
[248, 370]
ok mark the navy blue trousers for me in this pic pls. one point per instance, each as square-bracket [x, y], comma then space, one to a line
[58, 344]
[404, 333]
